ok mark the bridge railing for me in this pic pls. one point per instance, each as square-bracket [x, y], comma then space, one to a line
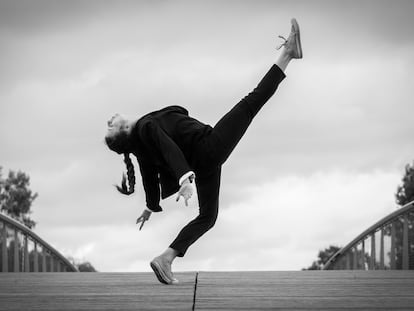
[388, 244]
[21, 250]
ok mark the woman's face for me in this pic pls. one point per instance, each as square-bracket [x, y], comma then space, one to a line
[115, 124]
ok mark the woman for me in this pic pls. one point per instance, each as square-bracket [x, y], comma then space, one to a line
[174, 151]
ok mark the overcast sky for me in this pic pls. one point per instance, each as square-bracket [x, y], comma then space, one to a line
[320, 163]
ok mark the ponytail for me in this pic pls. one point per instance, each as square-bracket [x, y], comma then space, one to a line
[131, 177]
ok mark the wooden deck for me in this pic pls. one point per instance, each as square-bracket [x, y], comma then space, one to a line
[301, 290]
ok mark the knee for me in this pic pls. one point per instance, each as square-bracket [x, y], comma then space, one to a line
[209, 220]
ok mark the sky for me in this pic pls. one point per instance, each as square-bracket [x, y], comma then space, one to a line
[320, 163]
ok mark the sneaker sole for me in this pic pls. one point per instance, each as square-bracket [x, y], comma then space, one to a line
[159, 273]
[297, 37]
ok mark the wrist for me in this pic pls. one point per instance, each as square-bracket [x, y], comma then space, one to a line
[185, 182]
[189, 176]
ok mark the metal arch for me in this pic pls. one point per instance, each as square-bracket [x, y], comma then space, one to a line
[38, 239]
[381, 223]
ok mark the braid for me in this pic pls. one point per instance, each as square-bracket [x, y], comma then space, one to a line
[130, 172]
[131, 177]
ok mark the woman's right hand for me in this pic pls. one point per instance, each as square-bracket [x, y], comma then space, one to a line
[143, 218]
[186, 191]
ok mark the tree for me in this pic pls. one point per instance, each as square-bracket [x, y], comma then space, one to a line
[405, 191]
[404, 195]
[16, 198]
[323, 257]
[82, 266]
[85, 267]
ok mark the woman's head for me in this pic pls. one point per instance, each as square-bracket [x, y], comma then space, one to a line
[117, 136]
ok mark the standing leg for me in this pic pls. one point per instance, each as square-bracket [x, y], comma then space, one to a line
[208, 186]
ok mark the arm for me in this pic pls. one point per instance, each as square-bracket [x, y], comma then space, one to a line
[150, 182]
[169, 150]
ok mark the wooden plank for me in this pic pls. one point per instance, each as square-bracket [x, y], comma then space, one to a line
[363, 255]
[35, 258]
[52, 263]
[392, 253]
[355, 250]
[348, 260]
[16, 259]
[382, 267]
[405, 243]
[26, 267]
[373, 250]
[306, 290]
[44, 264]
[5, 258]
[307, 303]
[94, 291]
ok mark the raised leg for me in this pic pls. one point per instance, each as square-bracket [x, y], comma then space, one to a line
[232, 126]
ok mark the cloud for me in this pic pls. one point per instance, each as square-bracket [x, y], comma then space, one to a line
[281, 225]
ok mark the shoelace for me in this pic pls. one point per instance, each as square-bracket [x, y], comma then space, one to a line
[282, 44]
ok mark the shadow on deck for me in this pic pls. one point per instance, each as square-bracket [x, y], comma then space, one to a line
[305, 290]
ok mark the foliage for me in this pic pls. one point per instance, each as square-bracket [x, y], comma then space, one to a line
[82, 266]
[404, 195]
[85, 267]
[323, 257]
[405, 191]
[16, 198]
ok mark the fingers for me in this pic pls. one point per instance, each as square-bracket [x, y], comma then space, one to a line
[139, 219]
[142, 225]
[185, 194]
[186, 198]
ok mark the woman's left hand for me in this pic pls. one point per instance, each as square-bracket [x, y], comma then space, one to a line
[186, 191]
[143, 218]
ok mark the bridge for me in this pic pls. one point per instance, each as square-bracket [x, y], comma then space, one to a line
[394, 234]
[372, 272]
[22, 250]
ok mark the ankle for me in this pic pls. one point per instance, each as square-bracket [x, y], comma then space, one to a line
[284, 60]
[169, 254]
